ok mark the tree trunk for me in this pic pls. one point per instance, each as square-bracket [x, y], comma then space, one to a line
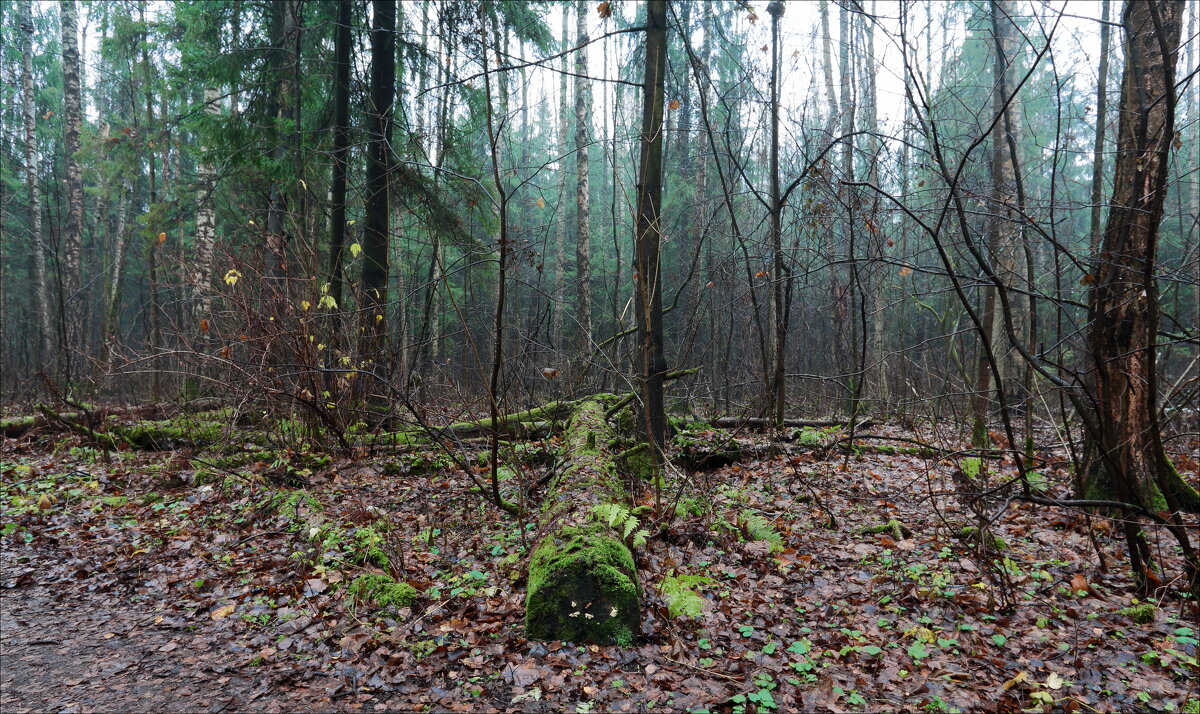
[112, 303]
[206, 229]
[583, 246]
[283, 29]
[582, 584]
[1128, 458]
[73, 230]
[36, 239]
[341, 146]
[560, 224]
[379, 130]
[1003, 221]
[1101, 127]
[778, 308]
[649, 228]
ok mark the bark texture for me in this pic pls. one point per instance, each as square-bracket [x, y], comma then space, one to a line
[206, 228]
[649, 226]
[583, 240]
[1130, 462]
[36, 240]
[73, 118]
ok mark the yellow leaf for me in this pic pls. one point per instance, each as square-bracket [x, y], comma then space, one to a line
[355, 248]
[231, 278]
[327, 302]
[541, 203]
[378, 317]
[303, 185]
[223, 612]
[1054, 681]
[350, 223]
[1021, 677]
[905, 271]
[304, 304]
[674, 104]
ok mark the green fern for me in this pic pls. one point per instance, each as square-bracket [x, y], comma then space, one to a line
[759, 528]
[623, 522]
[612, 513]
[681, 598]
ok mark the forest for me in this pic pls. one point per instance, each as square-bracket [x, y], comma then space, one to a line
[726, 356]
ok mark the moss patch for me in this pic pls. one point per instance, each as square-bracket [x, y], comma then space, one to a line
[382, 591]
[582, 588]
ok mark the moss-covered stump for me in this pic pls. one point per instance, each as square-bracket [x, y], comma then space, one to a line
[583, 583]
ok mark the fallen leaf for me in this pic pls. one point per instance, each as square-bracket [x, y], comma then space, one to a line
[1021, 677]
[222, 612]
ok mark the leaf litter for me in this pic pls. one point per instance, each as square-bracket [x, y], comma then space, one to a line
[142, 582]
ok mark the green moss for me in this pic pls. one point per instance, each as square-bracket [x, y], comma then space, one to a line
[382, 591]
[290, 504]
[1143, 613]
[1098, 486]
[418, 464]
[180, 431]
[582, 588]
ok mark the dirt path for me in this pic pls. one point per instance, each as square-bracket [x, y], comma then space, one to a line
[90, 652]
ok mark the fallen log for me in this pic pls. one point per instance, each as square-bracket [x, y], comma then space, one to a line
[728, 422]
[582, 584]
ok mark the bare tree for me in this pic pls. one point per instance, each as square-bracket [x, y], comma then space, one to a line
[1128, 460]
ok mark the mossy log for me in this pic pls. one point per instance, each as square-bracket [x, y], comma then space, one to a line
[583, 584]
[760, 423]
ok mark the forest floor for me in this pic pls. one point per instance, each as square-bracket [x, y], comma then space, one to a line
[176, 581]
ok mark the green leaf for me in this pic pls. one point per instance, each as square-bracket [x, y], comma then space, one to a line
[918, 651]
[999, 640]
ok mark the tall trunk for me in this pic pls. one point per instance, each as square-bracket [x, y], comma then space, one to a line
[839, 286]
[112, 302]
[1101, 127]
[649, 230]
[560, 224]
[379, 130]
[502, 265]
[827, 67]
[341, 146]
[583, 246]
[778, 308]
[1129, 461]
[875, 226]
[36, 239]
[155, 337]
[235, 37]
[283, 29]
[206, 229]
[1003, 220]
[72, 301]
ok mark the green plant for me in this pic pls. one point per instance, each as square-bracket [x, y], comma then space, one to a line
[381, 590]
[1142, 613]
[682, 599]
[758, 528]
[623, 522]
